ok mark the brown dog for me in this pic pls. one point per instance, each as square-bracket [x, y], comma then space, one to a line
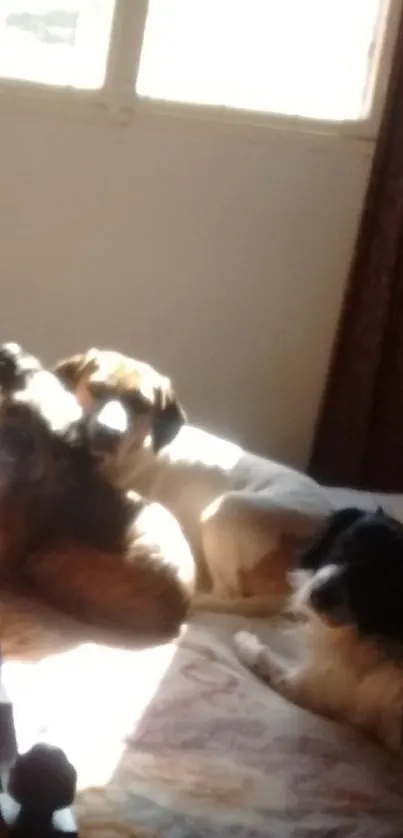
[66, 534]
[244, 516]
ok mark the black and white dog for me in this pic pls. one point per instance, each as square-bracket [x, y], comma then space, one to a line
[352, 598]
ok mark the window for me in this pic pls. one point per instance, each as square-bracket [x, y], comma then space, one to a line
[321, 62]
[56, 42]
[304, 57]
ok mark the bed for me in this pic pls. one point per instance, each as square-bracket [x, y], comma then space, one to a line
[180, 740]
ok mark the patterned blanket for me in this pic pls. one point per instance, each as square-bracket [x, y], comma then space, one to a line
[180, 741]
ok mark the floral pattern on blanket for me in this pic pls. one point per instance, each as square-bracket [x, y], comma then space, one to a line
[208, 752]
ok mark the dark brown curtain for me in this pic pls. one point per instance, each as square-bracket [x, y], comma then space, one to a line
[359, 439]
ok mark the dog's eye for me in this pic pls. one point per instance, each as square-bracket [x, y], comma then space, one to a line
[135, 403]
[98, 390]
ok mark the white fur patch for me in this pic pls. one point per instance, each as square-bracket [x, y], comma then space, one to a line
[113, 416]
[248, 647]
[58, 405]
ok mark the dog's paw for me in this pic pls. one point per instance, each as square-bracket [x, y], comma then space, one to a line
[248, 648]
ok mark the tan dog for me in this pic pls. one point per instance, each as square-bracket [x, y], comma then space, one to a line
[244, 516]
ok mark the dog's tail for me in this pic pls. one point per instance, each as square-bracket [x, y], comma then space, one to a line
[252, 606]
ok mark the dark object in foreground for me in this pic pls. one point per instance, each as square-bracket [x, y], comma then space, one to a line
[8, 741]
[39, 794]
[37, 788]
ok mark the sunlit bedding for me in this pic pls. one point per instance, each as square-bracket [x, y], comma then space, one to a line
[180, 740]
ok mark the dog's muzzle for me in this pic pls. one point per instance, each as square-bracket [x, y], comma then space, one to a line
[327, 595]
[106, 427]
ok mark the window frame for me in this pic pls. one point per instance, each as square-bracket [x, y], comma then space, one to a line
[119, 101]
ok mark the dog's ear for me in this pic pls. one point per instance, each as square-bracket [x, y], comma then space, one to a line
[70, 371]
[315, 554]
[168, 417]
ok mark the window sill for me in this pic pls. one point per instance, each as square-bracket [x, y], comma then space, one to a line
[98, 106]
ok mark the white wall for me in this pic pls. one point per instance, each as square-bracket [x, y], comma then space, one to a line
[219, 258]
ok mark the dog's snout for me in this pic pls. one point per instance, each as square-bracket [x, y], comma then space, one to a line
[103, 440]
[106, 428]
[326, 597]
[327, 593]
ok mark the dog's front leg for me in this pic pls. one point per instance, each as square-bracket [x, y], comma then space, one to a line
[288, 680]
[372, 705]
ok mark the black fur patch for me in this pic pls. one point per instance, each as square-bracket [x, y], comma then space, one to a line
[365, 551]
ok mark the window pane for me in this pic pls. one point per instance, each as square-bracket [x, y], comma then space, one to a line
[304, 57]
[61, 42]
